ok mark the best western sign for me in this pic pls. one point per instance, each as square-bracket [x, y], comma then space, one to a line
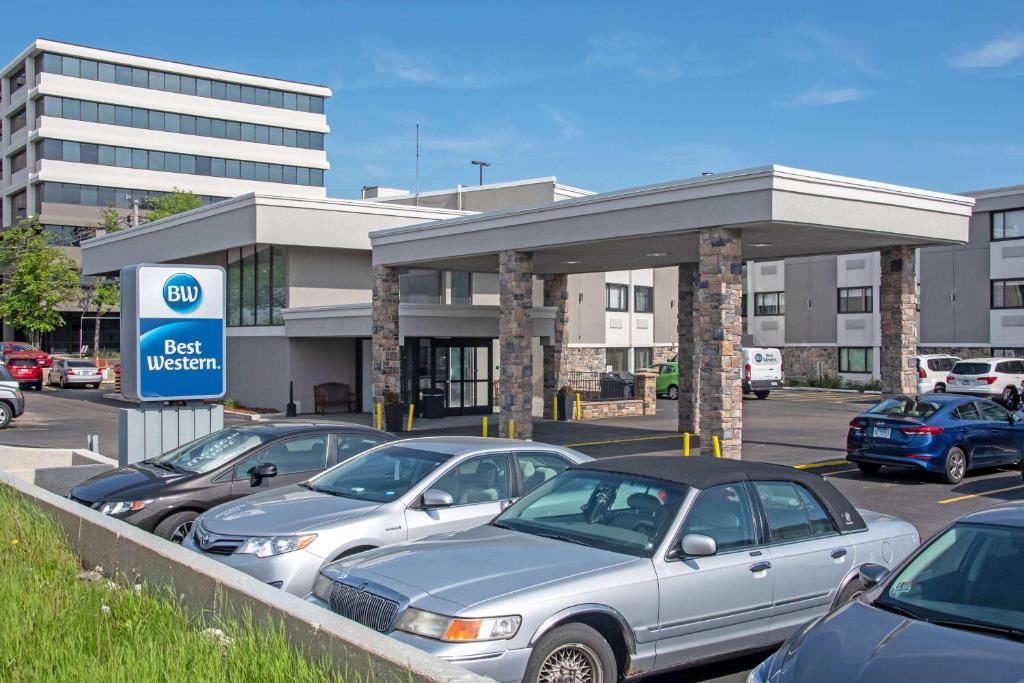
[172, 332]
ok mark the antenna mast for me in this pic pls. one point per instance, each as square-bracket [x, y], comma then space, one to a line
[417, 163]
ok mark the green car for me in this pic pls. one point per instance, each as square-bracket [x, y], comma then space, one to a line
[668, 379]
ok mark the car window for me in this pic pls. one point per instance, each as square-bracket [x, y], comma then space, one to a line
[477, 480]
[724, 513]
[789, 514]
[304, 454]
[348, 445]
[79, 364]
[905, 407]
[821, 523]
[994, 413]
[964, 368]
[667, 369]
[1003, 367]
[537, 468]
[380, 475]
[24, 362]
[210, 452]
[1018, 367]
[967, 411]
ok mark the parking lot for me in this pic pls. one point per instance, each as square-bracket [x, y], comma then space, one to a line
[801, 429]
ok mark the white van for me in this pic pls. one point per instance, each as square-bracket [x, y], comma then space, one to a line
[762, 371]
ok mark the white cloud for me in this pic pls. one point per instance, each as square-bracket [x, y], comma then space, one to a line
[650, 58]
[822, 48]
[992, 55]
[391, 65]
[567, 129]
[821, 97]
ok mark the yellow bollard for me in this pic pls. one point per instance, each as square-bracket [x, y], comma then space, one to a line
[554, 408]
[408, 425]
[483, 428]
[686, 444]
[717, 446]
[579, 409]
[511, 428]
[379, 418]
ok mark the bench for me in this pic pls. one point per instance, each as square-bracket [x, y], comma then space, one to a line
[333, 394]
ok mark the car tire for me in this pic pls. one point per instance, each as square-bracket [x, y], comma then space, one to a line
[572, 652]
[869, 468]
[762, 394]
[38, 385]
[956, 465]
[63, 382]
[940, 388]
[175, 527]
[851, 591]
[1009, 398]
[5, 415]
[673, 392]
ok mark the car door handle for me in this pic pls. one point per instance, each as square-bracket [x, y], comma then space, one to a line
[760, 566]
[838, 554]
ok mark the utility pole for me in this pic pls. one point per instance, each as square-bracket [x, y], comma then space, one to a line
[135, 210]
[481, 164]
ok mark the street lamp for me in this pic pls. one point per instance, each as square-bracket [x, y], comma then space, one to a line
[481, 164]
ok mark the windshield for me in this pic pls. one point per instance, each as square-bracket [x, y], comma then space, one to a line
[79, 364]
[963, 368]
[970, 573]
[25, 362]
[617, 512]
[906, 407]
[379, 475]
[211, 451]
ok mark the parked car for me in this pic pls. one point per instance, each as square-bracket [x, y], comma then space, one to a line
[762, 371]
[932, 370]
[25, 369]
[623, 567]
[74, 372]
[12, 401]
[667, 382]
[941, 433]
[24, 347]
[1000, 379]
[165, 494]
[952, 611]
[401, 491]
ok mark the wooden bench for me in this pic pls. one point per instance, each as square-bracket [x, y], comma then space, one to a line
[333, 394]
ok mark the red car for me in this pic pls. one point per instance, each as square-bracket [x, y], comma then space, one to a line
[9, 347]
[24, 367]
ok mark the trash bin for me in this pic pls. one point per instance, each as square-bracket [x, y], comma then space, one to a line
[615, 385]
[432, 403]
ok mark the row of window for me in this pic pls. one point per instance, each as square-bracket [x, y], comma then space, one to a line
[18, 120]
[856, 359]
[69, 235]
[170, 122]
[427, 287]
[257, 285]
[1008, 225]
[172, 162]
[92, 195]
[617, 298]
[1008, 293]
[176, 83]
[849, 300]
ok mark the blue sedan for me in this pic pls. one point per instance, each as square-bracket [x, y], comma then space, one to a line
[942, 433]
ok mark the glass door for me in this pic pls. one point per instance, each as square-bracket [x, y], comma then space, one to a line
[462, 369]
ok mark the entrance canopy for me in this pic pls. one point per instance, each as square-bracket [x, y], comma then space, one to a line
[781, 211]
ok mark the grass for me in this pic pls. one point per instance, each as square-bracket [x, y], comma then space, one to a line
[56, 626]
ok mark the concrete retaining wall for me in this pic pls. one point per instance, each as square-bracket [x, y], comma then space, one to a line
[57, 470]
[211, 589]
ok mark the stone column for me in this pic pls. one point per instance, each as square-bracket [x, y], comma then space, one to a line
[515, 335]
[897, 310]
[646, 390]
[688, 404]
[718, 331]
[556, 295]
[386, 352]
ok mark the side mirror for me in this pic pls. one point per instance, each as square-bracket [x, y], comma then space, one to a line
[434, 498]
[260, 472]
[872, 574]
[698, 545]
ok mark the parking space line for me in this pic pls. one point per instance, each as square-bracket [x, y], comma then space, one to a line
[969, 496]
[823, 463]
[629, 439]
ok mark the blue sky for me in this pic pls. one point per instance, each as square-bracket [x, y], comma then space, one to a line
[612, 94]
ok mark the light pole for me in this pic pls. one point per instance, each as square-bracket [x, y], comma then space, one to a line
[481, 164]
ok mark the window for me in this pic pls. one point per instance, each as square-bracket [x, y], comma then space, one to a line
[643, 358]
[347, 445]
[967, 411]
[769, 303]
[1008, 352]
[420, 287]
[616, 297]
[792, 515]
[19, 161]
[477, 480]
[994, 413]
[537, 468]
[462, 288]
[1007, 225]
[941, 364]
[70, 193]
[855, 300]
[856, 359]
[1008, 293]
[18, 80]
[304, 454]
[643, 299]
[724, 513]
[18, 120]
[616, 359]
[257, 290]
[19, 205]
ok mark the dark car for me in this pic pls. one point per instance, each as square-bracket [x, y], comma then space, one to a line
[952, 611]
[947, 434]
[165, 494]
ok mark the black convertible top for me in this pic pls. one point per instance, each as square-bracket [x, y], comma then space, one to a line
[703, 472]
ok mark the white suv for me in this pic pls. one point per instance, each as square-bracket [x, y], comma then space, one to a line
[1001, 379]
[932, 370]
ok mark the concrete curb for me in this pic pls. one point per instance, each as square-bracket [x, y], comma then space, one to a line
[208, 588]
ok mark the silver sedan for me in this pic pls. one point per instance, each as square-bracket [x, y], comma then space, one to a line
[623, 567]
[73, 372]
[401, 491]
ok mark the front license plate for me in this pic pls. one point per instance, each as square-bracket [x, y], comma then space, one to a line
[881, 432]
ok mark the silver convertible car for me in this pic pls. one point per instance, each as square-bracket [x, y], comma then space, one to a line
[621, 568]
[404, 490]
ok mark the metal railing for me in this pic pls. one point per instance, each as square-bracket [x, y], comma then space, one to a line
[602, 386]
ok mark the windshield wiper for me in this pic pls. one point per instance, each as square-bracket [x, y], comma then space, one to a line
[502, 525]
[162, 465]
[898, 609]
[560, 537]
[1008, 631]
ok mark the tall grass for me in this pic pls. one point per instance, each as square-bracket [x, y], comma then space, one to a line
[55, 626]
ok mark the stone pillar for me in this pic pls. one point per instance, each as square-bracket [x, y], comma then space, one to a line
[897, 310]
[646, 390]
[689, 403]
[386, 352]
[515, 336]
[556, 295]
[718, 332]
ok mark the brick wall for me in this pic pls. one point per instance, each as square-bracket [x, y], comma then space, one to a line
[584, 359]
[802, 361]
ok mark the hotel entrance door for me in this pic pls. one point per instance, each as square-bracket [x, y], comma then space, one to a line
[462, 368]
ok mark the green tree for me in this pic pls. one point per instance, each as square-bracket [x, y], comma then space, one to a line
[102, 294]
[39, 277]
[110, 220]
[178, 201]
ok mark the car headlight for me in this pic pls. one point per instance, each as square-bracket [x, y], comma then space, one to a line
[451, 629]
[18, 394]
[267, 546]
[121, 507]
[322, 587]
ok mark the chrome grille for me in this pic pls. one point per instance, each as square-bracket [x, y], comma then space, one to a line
[216, 545]
[361, 606]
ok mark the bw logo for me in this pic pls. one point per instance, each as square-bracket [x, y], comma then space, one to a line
[182, 293]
